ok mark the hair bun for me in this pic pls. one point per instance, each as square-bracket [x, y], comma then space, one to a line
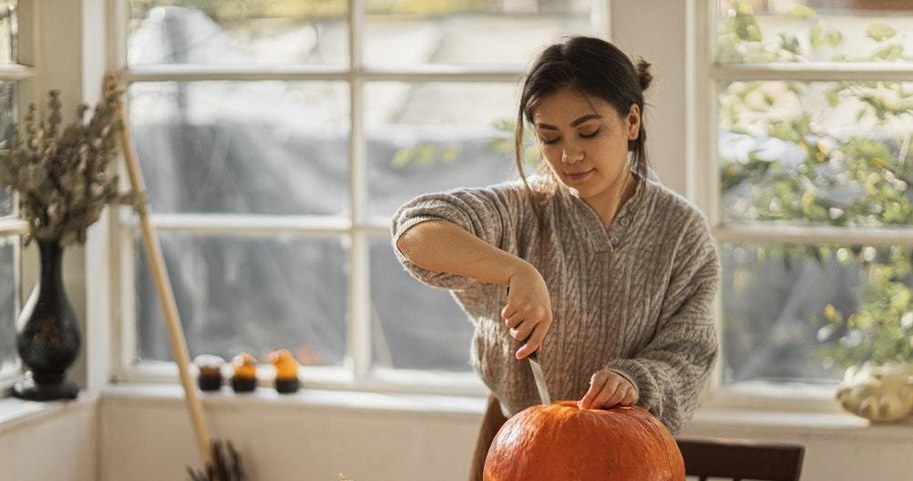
[643, 74]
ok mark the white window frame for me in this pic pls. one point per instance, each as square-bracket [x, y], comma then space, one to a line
[703, 186]
[358, 227]
[25, 74]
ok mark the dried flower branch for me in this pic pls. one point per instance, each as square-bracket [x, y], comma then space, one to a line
[63, 178]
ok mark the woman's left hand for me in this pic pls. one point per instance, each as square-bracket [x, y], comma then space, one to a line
[608, 389]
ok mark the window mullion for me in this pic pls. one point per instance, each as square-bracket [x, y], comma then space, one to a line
[123, 330]
[359, 312]
[16, 72]
[772, 233]
[12, 226]
[702, 183]
[30, 55]
[32, 18]
[246, 223]
[833, 72]
[195, 73]
[117, 22]
[418, 73]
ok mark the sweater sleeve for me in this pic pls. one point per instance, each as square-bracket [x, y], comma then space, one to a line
[669, 373]
[491, 214]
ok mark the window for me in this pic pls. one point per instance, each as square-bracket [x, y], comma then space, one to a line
[814, 167]
[278, 137]
[12, 74]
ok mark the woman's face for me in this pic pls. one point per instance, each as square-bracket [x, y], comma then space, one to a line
[585, 142]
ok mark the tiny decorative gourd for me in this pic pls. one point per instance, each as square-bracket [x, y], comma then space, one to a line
[210, 371]
[879, 393]
[562, 442]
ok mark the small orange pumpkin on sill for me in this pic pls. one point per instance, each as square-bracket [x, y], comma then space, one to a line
[562, 442]
[244, 378]
[286, 371]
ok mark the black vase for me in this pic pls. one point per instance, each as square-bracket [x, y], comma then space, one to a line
[49, 340]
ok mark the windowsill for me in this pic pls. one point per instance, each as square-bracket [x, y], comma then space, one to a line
[819, 425]
[17, 413]
[309, 398]
[806, 423]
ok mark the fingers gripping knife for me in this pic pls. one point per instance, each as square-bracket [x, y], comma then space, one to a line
[538, 375]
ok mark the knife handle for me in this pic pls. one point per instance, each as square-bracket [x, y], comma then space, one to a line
[535, 354]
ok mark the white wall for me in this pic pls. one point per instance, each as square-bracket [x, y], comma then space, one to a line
[838, 447]
[660, 41]
[137, 434]
[59, 444]
[282, 440]
[300, 439]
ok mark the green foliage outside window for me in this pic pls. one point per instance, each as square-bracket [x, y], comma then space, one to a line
[870, 159]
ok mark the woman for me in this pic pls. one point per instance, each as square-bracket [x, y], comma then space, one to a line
[608, 274]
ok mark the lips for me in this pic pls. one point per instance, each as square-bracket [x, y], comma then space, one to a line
[578, 175]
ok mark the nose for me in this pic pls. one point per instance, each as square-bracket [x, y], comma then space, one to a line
[571, 155]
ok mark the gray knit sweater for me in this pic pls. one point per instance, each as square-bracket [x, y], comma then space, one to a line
[635, 298]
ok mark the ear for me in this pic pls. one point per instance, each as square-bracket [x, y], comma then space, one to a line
[633, 122]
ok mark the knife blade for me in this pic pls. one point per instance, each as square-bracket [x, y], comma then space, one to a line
[539, 377]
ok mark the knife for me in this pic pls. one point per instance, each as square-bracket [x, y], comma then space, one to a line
[539, 377]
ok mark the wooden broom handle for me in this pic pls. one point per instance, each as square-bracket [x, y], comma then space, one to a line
[164, 289]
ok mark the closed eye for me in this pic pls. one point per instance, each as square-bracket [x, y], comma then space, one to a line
[590, 134]
[549, 141]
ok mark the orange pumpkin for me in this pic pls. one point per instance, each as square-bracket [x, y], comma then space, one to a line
[286, 371]
[286, 366]
[245, 366]
[244, 377]
[560, 442]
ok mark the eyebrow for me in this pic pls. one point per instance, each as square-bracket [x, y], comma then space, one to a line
[575, 123]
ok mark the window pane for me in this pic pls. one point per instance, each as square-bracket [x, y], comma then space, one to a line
[7, 127]
[249, 32]
[6, 202]
[415, 327]
[249, 294]
[212, 147]
[509, 33]
[805, 313]
[9, 31]
[815, 31]
[426, 137]
[833, 153]
[9, 305]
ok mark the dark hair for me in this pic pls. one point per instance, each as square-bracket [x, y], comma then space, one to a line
[595, 68]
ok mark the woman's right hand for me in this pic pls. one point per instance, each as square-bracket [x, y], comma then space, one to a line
[528, 313]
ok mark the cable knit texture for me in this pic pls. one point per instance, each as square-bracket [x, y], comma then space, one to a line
[635, 298]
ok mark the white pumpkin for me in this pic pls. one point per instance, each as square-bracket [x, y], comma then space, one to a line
[880, 393]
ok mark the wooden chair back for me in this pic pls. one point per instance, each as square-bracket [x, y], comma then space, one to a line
[741, 460]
